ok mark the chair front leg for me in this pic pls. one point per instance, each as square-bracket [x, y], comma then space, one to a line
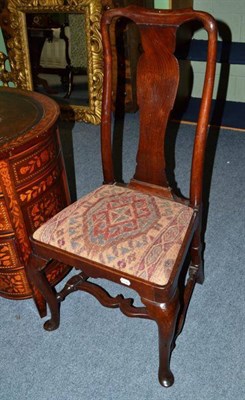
[38, 280]
[165, 315]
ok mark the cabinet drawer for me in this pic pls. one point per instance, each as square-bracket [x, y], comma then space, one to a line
[26, 166]
[8, 254]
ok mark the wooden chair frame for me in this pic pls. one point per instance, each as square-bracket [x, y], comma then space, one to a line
[163, 304]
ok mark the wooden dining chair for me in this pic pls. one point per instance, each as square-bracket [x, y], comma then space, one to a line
[137, 234]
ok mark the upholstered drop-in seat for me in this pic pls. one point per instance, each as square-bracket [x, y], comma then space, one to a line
[123, 229]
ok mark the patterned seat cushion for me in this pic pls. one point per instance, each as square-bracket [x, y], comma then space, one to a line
[126, 230]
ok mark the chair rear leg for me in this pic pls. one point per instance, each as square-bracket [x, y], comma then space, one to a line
[165, 315]
[37, 278]
[196, 266]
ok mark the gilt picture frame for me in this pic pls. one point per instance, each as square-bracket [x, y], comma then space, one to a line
[14, 27]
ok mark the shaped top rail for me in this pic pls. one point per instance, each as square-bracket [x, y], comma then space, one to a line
[160, 17]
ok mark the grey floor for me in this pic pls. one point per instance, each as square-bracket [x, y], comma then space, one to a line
[98, 353]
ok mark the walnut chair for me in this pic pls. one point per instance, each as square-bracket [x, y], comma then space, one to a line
[137, 234]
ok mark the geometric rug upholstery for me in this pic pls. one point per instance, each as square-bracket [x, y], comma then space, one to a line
[123, 229]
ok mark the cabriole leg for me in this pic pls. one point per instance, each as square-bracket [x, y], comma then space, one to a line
[38, 280]
[165, 315]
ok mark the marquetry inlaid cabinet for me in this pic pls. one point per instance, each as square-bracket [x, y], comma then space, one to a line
[33, 185]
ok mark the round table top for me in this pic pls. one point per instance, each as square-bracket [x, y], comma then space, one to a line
[18, 114]
[24, 114]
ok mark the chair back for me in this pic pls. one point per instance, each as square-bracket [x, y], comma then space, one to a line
[157, 85]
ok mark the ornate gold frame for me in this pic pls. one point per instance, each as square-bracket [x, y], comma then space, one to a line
[14, 24]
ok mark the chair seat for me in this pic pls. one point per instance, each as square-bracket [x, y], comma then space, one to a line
[123, 229]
